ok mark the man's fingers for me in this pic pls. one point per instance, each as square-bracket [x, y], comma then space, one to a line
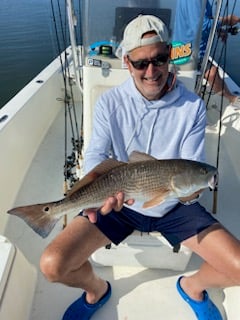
[109, 205]
[112, 203]
[115, 203]
[120, 201]
[92, 215]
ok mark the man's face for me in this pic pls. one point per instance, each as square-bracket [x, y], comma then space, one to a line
[151, 78]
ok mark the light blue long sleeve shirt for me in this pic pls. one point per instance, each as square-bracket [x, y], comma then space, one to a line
[124, 121]
[186, 24]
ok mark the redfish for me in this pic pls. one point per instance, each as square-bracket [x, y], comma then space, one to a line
[142, 178]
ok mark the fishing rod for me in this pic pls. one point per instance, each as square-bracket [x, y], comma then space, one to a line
[72, 162]
[218, 30]
[233, 30]
[208, 49]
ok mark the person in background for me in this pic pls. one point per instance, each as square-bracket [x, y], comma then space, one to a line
[154, 113]
[187, 19]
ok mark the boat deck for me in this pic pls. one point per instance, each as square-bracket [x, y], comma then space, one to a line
[138, 293]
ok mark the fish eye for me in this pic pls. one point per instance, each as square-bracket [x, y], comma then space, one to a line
[46, 209]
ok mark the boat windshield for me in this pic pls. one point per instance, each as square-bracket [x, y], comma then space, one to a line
[103, 21]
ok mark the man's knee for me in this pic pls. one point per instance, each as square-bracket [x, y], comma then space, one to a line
[51, 266]
[235, 270]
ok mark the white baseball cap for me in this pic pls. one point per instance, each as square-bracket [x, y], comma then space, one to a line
[134, 31]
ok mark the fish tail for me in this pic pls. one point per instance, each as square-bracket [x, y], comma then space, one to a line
[38, 217]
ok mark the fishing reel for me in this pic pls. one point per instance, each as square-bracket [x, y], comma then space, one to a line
[233, 30]
[224, 31]
[69, 172]
[72, 165]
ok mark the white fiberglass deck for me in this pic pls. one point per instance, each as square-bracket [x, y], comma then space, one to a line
[138, 293]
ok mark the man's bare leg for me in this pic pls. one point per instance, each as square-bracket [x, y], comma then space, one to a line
[221, 253]
[65, 260]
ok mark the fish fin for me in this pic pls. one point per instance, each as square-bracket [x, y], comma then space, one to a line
[137, 156]
[101, 169]
[106, 166]
[37, 216]
[158, 198]
[91, 176]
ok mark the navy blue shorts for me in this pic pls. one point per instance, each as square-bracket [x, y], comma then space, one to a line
[179, 224]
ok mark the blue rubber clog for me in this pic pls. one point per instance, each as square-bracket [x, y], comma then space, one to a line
[82, 310]
[204, 310]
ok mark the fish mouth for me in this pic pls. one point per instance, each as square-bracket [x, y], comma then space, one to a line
[212, 183]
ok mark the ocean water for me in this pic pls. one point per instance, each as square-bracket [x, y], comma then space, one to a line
[28, 43]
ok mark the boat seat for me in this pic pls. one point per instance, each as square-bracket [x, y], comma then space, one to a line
[148, 250]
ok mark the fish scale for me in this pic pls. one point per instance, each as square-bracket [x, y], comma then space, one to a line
[134, 179]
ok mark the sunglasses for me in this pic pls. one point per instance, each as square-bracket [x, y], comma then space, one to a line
[142, 64]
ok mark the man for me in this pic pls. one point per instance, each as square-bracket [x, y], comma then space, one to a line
[154, 113]
[187, 19]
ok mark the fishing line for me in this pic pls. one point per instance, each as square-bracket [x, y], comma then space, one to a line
[75, 141]
[66, 100]
[215, 191]
[64, 80]
[57, 39]
[73, 119]
[71, 162]
[70, 106]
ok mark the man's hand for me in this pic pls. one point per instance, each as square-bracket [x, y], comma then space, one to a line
[112, 203]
